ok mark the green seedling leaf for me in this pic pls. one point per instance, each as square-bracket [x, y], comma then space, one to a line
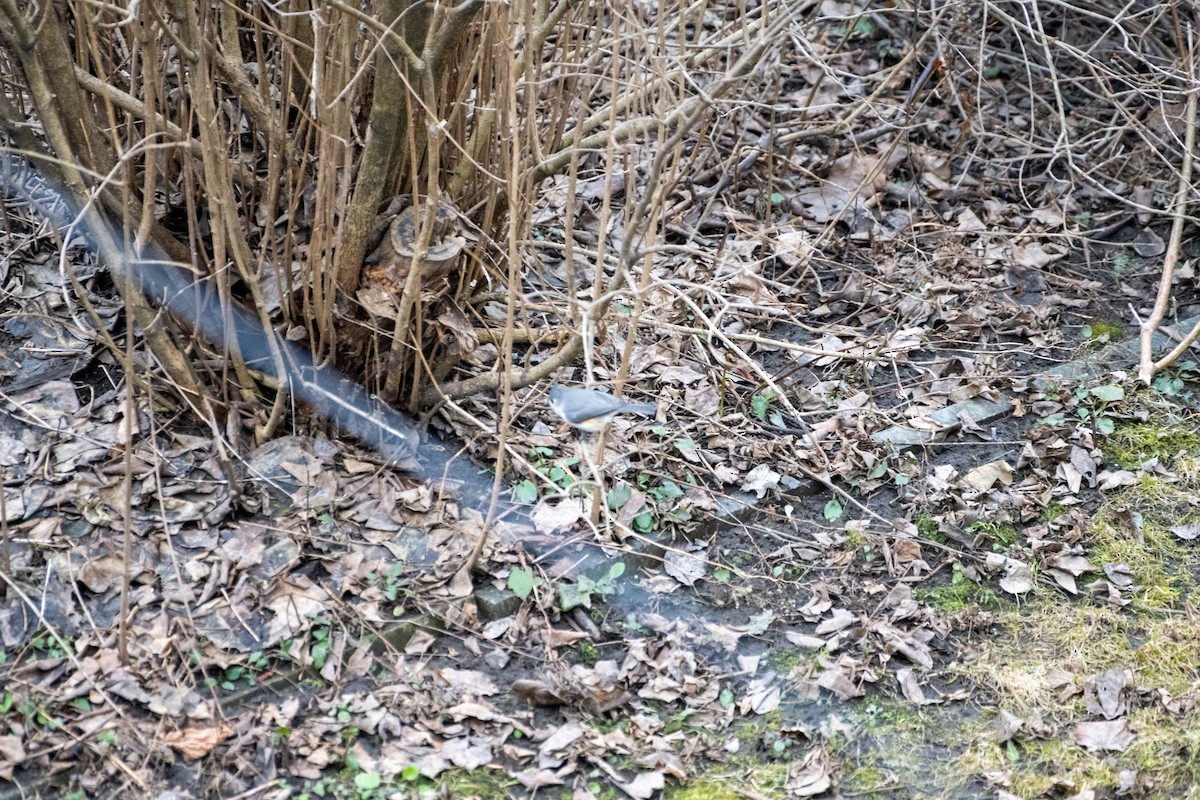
[561, 477]
[879, 470]
[670, 489]
[777, 198]
[320, 652]
[644, 522]
[367, 781]
[526, 492]
[725, 699]
[620, 494]
[522, 582]
[833, 511]
[722, 575]
[759, 623]
[573, 595]
[677, 515]
[1168, 386]
[410, 773]
[1106, 426]
[687, 448]
[1109, 393]
[760, 404]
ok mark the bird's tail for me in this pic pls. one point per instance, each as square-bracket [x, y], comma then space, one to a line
[645, 409]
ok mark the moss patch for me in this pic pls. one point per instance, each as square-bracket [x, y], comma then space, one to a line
[1103, 331]
[959, 594]
[1130, 446]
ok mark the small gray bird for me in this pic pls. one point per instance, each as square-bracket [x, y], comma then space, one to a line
[592, 411]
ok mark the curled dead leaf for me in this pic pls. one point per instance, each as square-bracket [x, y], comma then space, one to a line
[194, 743]
[987, 476]
[809, 776]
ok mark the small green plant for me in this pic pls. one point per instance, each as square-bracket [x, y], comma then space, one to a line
[526, 492]
[49, 646]
[351, 784]
[687, 448]
[522, 582]
[556, 470]
[1094, 403]
[368, 785]
[42, 716]
[579, 593]
[619, 496]
[327, 523]
[760, 406]
[1121, 262]
[321, 647]
[1175, 382]
[666, 496]
[390, 581]
[231, 676]
[900, 473]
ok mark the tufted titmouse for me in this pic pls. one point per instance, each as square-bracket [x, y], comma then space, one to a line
[592, 411]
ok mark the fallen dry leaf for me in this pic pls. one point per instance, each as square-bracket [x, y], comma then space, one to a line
[1107, 735]
[809, 776]
[195, 743]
